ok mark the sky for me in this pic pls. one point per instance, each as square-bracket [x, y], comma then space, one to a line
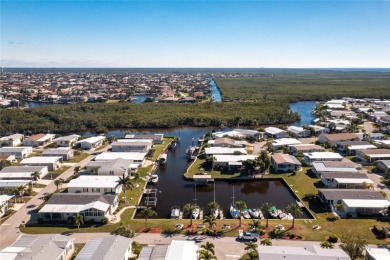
[205, 34]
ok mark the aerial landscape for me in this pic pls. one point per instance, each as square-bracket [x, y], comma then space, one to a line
[194, 130]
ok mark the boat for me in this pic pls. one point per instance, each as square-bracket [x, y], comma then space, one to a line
[254, 213]
[289, 216]
[273, 212]
[172, 145]
[175, 212]
[196, 212]
[245, 213]
[190, 152]
[282, 215]
[163, 159]
[153, 178]
[233, 212]
[215, 213]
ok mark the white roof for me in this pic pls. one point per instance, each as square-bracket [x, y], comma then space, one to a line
[15, 149]
[224, 150]
[378, 253]
[93, 139]
[335, 101]
[359, 203]
[352, 180]
[149, 141]
[228, 133]
[296, 129]
[285, 141]
[106, 156]
[335, 106]
[274, 130]
[320, 167]
[182, 250]
[96, 181]
[323, 155]
[4, 198]
[387, 142]
[41, 159]
[234, 158]
[66, 208]
[45, 137]
[362, 147]
[13, 183]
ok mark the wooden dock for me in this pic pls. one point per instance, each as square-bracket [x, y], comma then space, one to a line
[150, 191]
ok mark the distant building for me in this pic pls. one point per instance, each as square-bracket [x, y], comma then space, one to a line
[321, 156]
[52, 162]
[12, 140]
[373, 155]
[108, 248]
[123, 145]
[65, 153]
[19, 152]
[39, 140]
[157, 138]
[67, 141]
[92, 142]
[275, 132]
[226, 142]
[298, 132]
[285, 163]
[333, 139]
[177, 250]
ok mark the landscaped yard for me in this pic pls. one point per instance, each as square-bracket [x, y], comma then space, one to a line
[199, 164]
[159, 148]
[78, 158]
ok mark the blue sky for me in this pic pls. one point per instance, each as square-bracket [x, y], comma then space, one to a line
[293, 34]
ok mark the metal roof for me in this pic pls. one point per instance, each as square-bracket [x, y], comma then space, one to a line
[109, 248]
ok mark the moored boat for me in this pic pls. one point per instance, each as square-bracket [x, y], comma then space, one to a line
[254, 213]
[195, 213]
[153, 178]
[273, 212]
[175, 212]
[215, 213]
[233, 212]
[245, 213]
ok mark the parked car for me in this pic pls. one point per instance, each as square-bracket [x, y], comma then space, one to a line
[248, 236]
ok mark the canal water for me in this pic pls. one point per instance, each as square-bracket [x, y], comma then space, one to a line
[174, 190]
[304, 109]
[215, 92]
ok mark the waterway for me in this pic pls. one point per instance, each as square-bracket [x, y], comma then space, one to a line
[215, 91]
[304, 109]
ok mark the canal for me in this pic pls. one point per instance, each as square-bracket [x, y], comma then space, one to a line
[304, 109]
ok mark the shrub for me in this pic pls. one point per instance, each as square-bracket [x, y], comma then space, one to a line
[292, 236]
[332, 219]
[147, 230]
[333, 238]
[104, 220]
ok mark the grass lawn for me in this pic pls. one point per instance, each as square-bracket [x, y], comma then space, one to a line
[77, 250]
[199, 164]
[102, 146]
[78, 158]
[159, 148]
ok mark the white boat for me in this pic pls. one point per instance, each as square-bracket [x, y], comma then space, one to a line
[195, 213]
[273, 212]
[282, 215]
[215, 213]
[163, 159]
[245, 213]
[254, 213]
[153, 178]
[233, 212]
[175, 212]
[289, 216]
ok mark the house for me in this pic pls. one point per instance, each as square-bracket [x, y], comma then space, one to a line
[137, 158]
[345, 180]
[64, 152]
[9, 158]
[139, 146]
[384, 120]
[92, 142]
[299, 149]
[298, 131]
[342, 113]
[285, 163]
[373, 155]
[4, 204]
[231, 161]
[383, 165]
[350, 147]
[63, 206]
[210, 151]
[67, 141]
[319, 129]
[274, 132]
[377, 253]
[157, 138]
[239, 133]
[361, 202]
[94, 184]
[309, 252]
[328, 166]
[107, 248]
[22, 172]
[177, 250]
[374, 137]
[226, 142]
[12, 184]
[116, 167]
[333, 139]
[52, 162]
[278, 143]
[321, 156]
[383, 143]
[42, 247]
[19, 152]
[39, 140]
[12, 140]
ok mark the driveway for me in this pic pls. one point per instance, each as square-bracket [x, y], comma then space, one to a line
[368, 126]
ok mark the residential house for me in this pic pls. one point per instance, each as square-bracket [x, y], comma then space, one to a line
[298, 131]
[383, 165]
[9, 158]
[211, 151]
[285, 163]
[92, 142]
[377, 253]
[232, 161]
[328, 166]
[350, 147]
[107, 248]
[319, 129]
[94, 184]
[177, 250]
[139, 146]
[22, 172]
[63, 206]
[274, 132]
[39, 140]
[342, 113]
[299, 149]
[345, 180]
[42, 247]
[12, 184]
[333, 139]
[65, 153]
[373, 155]
[4, 204]
[157, 138]
[239, 133]
[137, 158]
[278, 143]
[321, 156]
[19, 152]
[384, 120]
[361, 202]
[67, 141]
[226, 142]
[374, 137]
[12, 140]
[52, 162]
[309, 252]
[383, 143]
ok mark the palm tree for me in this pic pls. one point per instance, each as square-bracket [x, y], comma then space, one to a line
[35, 176]
[209, 247]
[266, 207]
[240, 206]
[295, 211]
[206, 255]
[210, 220]
[78, 220]
[57, 183]
[94, 171]
[126, 184]
[76, 171]
[213, 206]
[266, 242]
[21, 190]
[147, 213]
[136, 176]
[251, 246]
[190, 208]
[253, 255]
[256, 224]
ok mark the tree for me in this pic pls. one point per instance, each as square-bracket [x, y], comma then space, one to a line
[251, 246]
[78, 220]
[21, 190]
[125, 182]
[57, 183]
[326, 244]
[253, 255]
[94, 171]
[35, 176]
[190, 208]
[240, 206]
[353, 246]
[208, 247]
[256, 224]
[137, 176]
[206, 255]
[340, 207]
[210, 220]
[266, 242]
[76, 171]
[213, 206]
[147, 213]
[266, 207]
[295, 211]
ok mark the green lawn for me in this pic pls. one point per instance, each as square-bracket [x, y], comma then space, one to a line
[199, 164]
[78, 158]
[102, 146]
[159, 148]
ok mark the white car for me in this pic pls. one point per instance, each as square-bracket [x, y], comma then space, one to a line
[248, 236]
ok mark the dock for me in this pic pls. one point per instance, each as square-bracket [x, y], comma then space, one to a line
[151, 201]
[300, 204]
[150, 191]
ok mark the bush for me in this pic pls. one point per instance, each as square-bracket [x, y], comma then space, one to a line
[333, 238]
[292, 236]
[104, 220]
[332, 219]
[147, 230]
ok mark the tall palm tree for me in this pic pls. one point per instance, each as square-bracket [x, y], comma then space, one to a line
[240, 206]
[213, 206]
[208, 247]
[251, 246]
[210, 220]
[253, 255]
[57, 183]
[266, 207]
[295, 211]
[137, 176]
[147, 213]
[21, 190]
[206, 255]
[266, 242]
[76, 171]
[35, 176]
[126, 184]
[256, 224]
[78, 220]
[190, 208]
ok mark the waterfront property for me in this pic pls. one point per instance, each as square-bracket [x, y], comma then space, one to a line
[39, 140]
[239, 133]
[346, 180]
[22, 172]
[319, 129]
[67, 141]
[226, 142]
[130, 145]
[4, 203]
[92, 142]
[301, 253]
[19, 152]
[65, 153]
[12, 140]
[299, 149]
[157, 138]
[61, 207]
[373, 155]
[274, 132]
[116, 167]
[136, 158]
[278, 143]
[177, 250]
[231, 161]
[42, 247]
[321, 156]
[94, 184]
[107, 248]
[52, 162]
[298, 131]
[285, 163]
[333, 139]
[211, 151]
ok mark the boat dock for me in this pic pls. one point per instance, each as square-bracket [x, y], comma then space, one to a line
[300, 204]
[150, 191]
